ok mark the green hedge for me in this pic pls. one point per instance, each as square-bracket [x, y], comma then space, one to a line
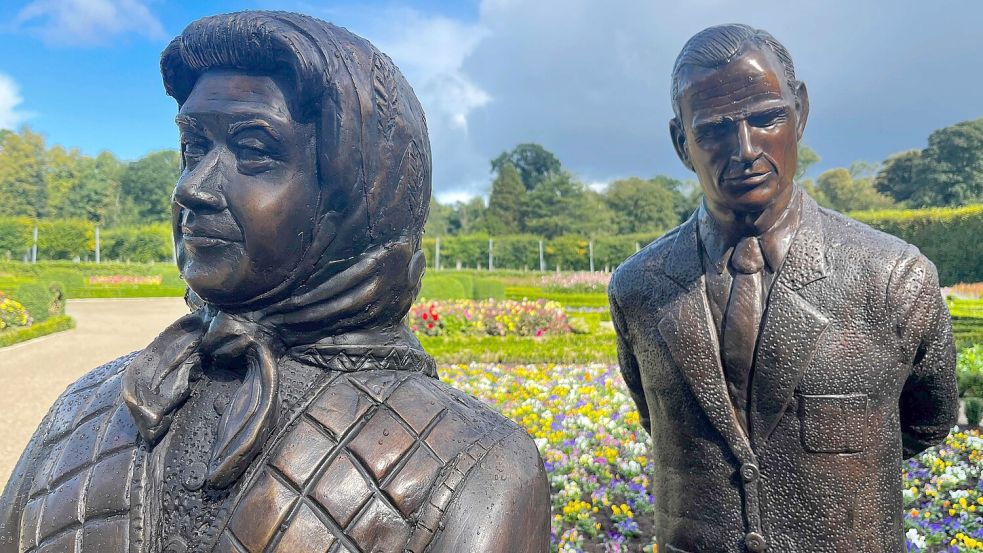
[521, 251]
[460, 286]
[22, 334]
[951, 237]
[140, 244]
[66, 239]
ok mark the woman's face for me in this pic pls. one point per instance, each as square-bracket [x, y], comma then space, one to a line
[244, 208]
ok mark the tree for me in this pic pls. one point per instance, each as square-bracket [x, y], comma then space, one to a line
[951, 168]
[561, 205]
[896, 177]
[81, 187]
[806, 158]
[948, 172]
[147, 184]
[840, 191]
[22, 174]
[467, 217]
[533, 162]
[640, 205]
[505, 202]
[438, 221]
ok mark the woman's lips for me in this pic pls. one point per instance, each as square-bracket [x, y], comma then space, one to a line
[199, 241]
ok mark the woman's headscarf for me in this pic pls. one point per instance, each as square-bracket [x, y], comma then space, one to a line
[363, 266]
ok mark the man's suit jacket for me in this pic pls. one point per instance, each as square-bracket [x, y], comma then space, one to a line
[854, 370]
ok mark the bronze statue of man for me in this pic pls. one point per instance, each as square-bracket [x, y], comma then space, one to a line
[291, 411]
[784, 358]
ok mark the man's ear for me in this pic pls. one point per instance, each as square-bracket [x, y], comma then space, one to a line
[801, 108]
[679, 142]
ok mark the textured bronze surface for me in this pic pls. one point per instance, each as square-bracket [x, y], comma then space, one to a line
[851, 360]
[291, 411]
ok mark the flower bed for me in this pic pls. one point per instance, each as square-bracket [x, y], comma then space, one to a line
[589, 434]
[488, 318]
[944, 496]
[582, 281]
[12, 313]
[596, 455]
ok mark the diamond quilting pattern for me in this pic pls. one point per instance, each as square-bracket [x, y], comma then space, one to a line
[380, 528]
[80, 493]
[339, 406]
[381, 443]
[342, 490]
[306, 533]
[384, 438]
[303, 450]
[410, 487]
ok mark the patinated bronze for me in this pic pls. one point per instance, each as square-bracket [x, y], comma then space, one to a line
[784, 357]
[291, 411]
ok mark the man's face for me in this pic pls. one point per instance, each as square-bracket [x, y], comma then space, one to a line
[244, 207]
[738, 130]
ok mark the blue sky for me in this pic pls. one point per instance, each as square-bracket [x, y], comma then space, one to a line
[587, 79]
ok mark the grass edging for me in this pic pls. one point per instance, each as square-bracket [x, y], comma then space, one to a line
[50, 326]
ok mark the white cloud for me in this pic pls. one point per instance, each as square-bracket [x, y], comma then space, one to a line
[430, 51]
[10, 98]
[88, 22]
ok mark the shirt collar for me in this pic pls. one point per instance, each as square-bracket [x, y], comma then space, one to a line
[775, 242]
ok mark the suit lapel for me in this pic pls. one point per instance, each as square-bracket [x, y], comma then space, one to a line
[792, 327]
[689, 333]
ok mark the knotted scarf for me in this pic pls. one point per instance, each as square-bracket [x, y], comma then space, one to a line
[156, 382]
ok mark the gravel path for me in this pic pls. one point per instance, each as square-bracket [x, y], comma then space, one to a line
[33, 374]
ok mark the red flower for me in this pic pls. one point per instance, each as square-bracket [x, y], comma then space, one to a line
[425, 317]
[429, 325]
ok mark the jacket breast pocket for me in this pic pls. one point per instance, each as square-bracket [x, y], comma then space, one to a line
[833, 423]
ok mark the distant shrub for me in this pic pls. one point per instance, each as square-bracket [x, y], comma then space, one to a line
[974, 410]
[440, 287]
[36, 298]
[969, 371]
[950, 237]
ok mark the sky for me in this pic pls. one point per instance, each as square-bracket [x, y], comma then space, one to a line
[587, 79]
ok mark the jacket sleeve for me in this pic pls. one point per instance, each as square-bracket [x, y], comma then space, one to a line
[503, 505]
[628, 362]
[929, 401]
[15, 492]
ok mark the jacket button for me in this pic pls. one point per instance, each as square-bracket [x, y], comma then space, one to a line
[755, 542]
[194, 476]
[749, 472]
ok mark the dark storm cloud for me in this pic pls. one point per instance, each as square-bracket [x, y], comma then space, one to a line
[590, 80]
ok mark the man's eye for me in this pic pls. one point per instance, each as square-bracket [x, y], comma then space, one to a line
[767, 121]
[709, 132]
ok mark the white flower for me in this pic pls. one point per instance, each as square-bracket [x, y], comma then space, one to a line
[915, 538]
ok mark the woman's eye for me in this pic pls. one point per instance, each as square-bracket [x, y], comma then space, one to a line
[252, 154]
[194, 151]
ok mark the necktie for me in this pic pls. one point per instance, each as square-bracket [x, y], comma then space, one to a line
[742, 321]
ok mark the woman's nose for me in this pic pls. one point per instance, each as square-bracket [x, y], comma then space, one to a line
[201, 188]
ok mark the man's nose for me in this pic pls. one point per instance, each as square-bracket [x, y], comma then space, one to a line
[201, 188]
[747, 149]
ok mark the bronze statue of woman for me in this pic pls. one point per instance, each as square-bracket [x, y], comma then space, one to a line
[291, 410]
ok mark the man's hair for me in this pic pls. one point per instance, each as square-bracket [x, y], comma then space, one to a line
[718, 45]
